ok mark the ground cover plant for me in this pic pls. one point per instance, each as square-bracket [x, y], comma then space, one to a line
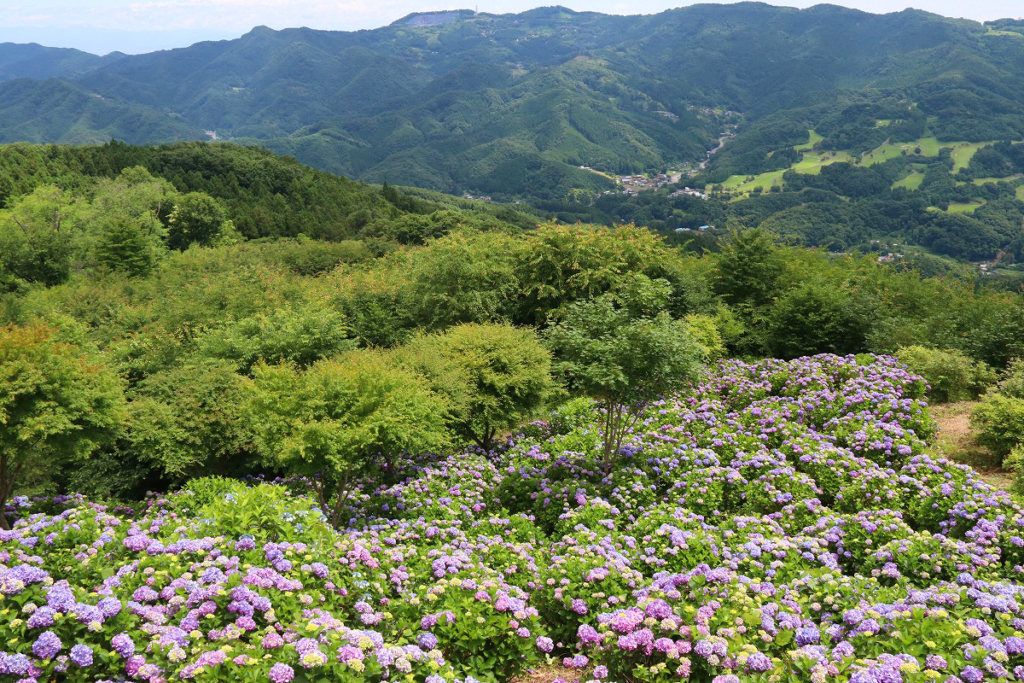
[774, 521]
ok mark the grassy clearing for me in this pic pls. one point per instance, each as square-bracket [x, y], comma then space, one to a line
[745, 184]
[809, 145]
[958, 441]
[812, 164]
[609, 176]
[963, 152]
[929, 146]
[911, 182]
[970, 207]
[885, 152]
[1020, 192]
[1005, 179]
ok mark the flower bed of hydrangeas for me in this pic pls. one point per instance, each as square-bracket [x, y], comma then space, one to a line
[778, 522]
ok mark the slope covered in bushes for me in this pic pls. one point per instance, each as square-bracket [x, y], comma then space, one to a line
[777, 521]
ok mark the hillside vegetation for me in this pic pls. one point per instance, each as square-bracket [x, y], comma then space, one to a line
[263, 423]
[185, 266]
[265, 419]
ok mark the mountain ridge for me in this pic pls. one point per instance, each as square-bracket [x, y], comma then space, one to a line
[515, 104]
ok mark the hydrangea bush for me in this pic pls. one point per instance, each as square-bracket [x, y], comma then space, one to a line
[779, 521]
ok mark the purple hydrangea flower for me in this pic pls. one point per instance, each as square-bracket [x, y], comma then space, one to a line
[47, 645]
[81, 655]
[281, 673]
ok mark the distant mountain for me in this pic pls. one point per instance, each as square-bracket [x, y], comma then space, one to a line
[441, 18]
[56, 110]
[517, 104]
[36, 61]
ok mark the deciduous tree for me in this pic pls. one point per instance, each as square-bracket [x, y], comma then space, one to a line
[625, 350]
[56, 405]
[496, 376]
[332, 421]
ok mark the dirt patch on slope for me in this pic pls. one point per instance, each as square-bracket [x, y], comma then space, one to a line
[958, 442]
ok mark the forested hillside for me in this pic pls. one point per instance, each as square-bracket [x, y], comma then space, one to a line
[900, 201]
[515, 104]
[264, 195]
[36, 61]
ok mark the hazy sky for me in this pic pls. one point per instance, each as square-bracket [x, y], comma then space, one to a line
[133, 26]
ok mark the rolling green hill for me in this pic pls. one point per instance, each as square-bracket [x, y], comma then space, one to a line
[265, 195]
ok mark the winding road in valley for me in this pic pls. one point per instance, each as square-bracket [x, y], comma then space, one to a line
[711, 152]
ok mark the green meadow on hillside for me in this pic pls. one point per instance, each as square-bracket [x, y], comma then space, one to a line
[812, 160]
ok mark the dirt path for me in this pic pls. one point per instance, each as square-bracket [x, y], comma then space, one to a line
[957, 442]
[548, 674]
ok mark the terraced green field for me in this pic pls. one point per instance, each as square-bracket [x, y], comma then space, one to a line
[958, 207]
[929, 148]
[813, 161]
[963, 152]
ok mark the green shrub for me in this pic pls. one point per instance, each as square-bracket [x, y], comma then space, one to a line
[199, 492]
[705, 332]
[300, 334]
[310, 258]
[951, 375]
[1000, 423]
[496, 377]
[267, 512]
[625, 350]
[187, 421]
[1015, 463]
[814, 318]
[1012, 382]
[573, 414]
[337, 420]
[57, 405]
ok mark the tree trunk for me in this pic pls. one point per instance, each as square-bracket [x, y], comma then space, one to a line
[488, 443]
[6, 486]
[340, 496]
[610, 435]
